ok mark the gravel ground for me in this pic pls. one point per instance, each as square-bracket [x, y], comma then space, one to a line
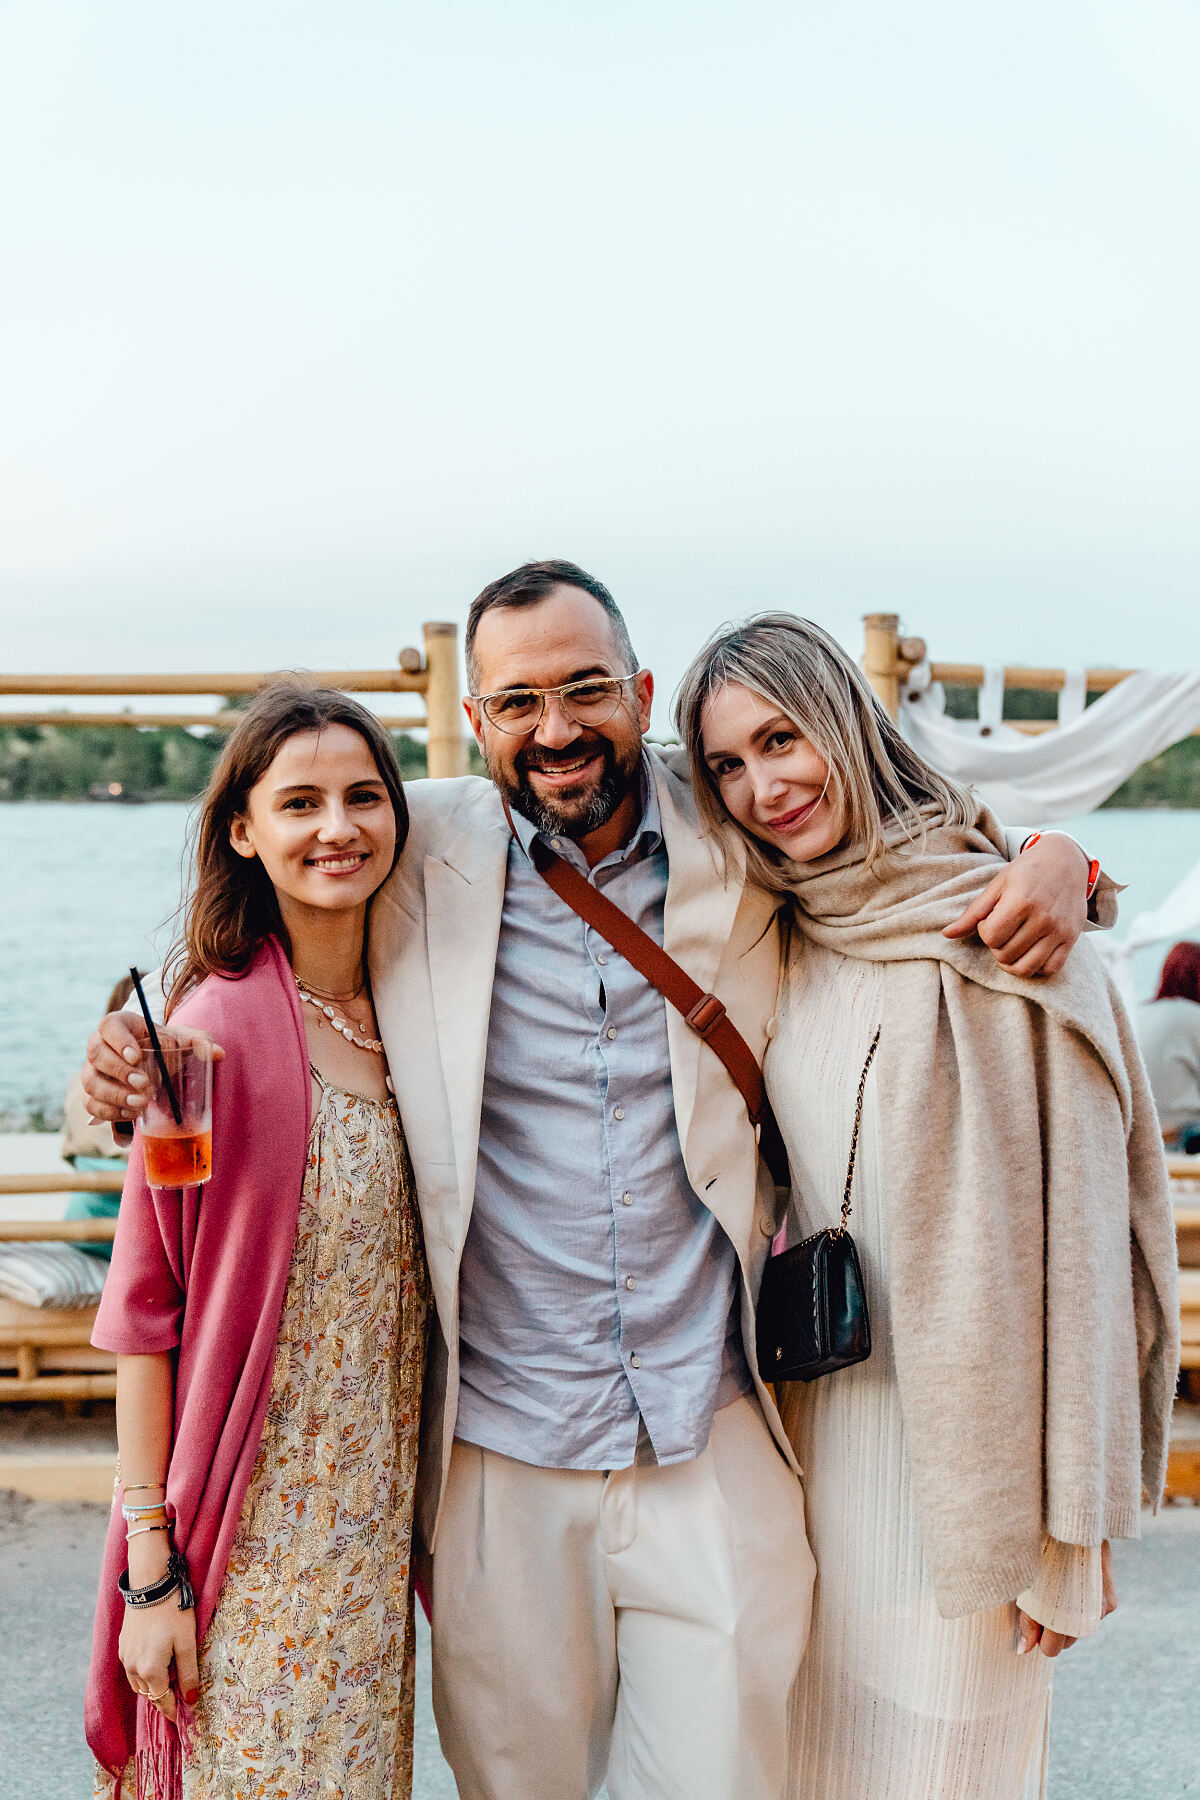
[1126, 1720]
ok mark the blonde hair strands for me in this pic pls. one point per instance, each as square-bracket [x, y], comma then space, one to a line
[876, 781]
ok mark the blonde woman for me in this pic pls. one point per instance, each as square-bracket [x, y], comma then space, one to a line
[1011, 1215]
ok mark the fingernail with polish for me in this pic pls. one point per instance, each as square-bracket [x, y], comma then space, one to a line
[130, 1054]
[192, 1695]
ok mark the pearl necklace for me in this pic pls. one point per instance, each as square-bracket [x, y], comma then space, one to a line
[374, 1045]
[338, 1022]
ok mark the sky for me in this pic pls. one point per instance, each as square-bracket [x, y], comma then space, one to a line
[314, 319]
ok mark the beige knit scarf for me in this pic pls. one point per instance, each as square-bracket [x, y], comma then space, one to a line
[1032, 1275]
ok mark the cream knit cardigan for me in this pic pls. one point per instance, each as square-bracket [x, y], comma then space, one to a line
[1033, 1280]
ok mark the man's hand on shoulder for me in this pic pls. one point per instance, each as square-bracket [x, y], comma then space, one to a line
[1031, 915]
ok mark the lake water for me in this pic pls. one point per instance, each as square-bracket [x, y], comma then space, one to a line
[87, 890]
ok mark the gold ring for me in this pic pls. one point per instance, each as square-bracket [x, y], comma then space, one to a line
[155, 1698]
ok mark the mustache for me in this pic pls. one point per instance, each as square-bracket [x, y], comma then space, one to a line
[537, 756]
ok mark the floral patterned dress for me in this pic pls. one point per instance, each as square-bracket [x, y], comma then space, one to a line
[306, 1671]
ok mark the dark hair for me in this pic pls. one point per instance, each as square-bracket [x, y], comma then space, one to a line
[120, 994]
[532, 582]
[232, 908]
[1180, 979]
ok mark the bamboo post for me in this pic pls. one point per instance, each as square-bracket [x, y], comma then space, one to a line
[443, 705]
[881, 638]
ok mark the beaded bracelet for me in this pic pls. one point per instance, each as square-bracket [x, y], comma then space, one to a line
[143, 1512]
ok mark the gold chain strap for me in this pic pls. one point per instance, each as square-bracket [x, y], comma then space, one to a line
[862, 1088]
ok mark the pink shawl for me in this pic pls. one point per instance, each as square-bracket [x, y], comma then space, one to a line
[202, 1271]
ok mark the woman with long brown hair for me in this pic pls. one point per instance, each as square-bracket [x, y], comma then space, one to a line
[254, 1632]
[1010, 1208]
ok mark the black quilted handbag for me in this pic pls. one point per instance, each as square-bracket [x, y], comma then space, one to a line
[812, 1308]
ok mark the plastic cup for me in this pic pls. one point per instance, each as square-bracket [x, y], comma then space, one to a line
[178, 1151]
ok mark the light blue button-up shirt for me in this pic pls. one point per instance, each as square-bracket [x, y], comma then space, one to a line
[596, 1290]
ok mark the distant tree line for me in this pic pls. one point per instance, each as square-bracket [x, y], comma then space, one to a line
[70, 762]
[56, 762]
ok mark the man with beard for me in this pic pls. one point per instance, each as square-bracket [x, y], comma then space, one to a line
[621, 1576]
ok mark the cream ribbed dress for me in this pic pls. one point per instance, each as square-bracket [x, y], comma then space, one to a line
[893, 1701]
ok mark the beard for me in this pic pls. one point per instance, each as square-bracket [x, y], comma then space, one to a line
[572, 814]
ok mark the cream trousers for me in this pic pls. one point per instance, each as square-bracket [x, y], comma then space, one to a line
[642, 1627]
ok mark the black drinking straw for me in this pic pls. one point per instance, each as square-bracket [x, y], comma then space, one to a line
[157, 1047]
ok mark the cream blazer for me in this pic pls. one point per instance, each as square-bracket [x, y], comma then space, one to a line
[434, 931]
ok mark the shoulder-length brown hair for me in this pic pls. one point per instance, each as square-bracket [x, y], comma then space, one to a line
[879, 782]
[232, 908]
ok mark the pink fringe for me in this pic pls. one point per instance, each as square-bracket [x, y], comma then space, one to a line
[162, 1747]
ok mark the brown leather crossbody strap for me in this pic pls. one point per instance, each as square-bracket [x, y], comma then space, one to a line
[703, 1012]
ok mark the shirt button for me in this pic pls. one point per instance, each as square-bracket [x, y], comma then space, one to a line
[611, 1033]
[635, 1361]
[618, 1112]
[602, 960]
[631, 1282]
[556, 843]
[626, 1199]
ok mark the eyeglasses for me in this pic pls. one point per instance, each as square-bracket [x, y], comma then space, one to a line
[519, 710]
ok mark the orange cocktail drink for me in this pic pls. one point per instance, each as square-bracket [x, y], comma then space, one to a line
[180, 1160]
[176, 1126]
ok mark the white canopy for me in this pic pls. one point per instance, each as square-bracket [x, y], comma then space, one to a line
[1176, 917]
[1061, 773]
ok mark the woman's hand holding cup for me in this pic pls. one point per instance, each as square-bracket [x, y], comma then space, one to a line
[115, 1078]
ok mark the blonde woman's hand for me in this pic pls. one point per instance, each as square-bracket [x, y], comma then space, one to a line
[1109, 1602]
[152, 1638]
[1033, 1635]
[1053, 1643]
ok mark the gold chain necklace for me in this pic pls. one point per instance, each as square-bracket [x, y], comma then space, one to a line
[322, 994]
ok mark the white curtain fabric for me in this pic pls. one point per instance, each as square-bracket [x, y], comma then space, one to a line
[1061, 773]
[1176, 917]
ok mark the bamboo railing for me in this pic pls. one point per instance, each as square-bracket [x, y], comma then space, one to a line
[30, 1337]
[433, 675]
[888, 658]
[1184, 1471]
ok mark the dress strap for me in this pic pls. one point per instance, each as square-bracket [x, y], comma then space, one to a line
[317, 1076]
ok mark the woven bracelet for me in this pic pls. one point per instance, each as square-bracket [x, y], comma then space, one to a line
[158, 1591]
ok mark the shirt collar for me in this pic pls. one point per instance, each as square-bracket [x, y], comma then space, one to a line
[646, 839]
